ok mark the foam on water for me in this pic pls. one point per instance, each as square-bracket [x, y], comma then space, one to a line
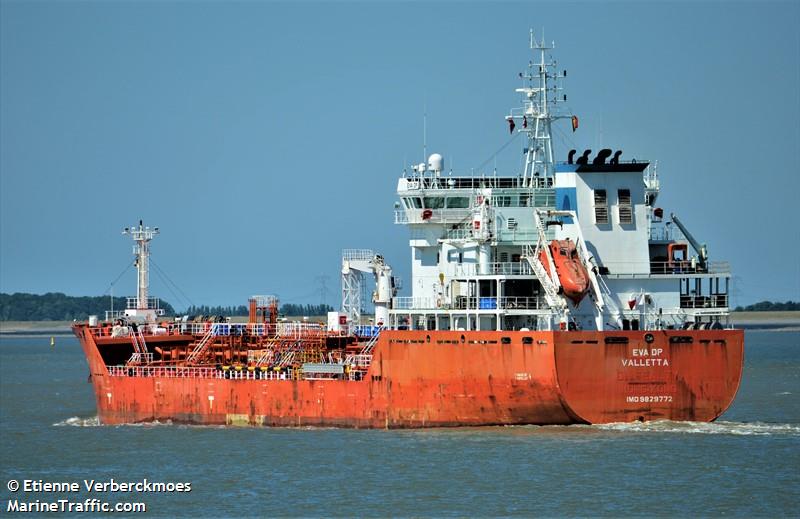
[76, 421]
[719, 427]
[663, 426]
[94, 421]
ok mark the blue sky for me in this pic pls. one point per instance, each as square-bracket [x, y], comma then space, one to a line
[263, 137]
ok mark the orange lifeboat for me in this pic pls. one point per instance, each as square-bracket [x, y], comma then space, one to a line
[570, 270]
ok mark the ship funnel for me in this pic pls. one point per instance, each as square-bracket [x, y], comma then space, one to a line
[436, 163]
[570, 156]
[584, 159]
[602, 155]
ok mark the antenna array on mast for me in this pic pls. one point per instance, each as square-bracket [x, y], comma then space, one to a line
[541, 84]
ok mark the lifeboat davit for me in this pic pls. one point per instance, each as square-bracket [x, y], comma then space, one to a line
[570, 270]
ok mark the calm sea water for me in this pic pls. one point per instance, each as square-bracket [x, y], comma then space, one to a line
[746, 464]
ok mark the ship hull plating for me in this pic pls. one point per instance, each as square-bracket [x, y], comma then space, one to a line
[450, 378]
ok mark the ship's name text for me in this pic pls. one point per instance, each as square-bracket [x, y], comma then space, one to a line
[646, 358]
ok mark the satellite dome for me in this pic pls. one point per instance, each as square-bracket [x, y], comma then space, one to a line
[436, 162]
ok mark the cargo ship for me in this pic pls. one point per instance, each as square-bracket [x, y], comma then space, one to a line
[557, 294]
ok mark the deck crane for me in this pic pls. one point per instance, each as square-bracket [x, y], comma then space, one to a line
[355, 263]
[702, 252]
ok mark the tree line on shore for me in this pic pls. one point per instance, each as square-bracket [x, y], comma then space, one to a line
[55, 306]
[769, 306]
[285, 309]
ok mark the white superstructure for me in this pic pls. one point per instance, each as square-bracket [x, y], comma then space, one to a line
[474, 238]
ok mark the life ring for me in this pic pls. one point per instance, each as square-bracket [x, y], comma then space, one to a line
[426, 214]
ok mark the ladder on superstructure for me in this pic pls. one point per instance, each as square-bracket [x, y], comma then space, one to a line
[554, 299]
[139, 346]
[286, 358]
[201, 346]
[367, 349]
[265, 358]
[548, 280]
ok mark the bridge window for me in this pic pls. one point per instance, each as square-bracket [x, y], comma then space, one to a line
[460, 202]
[502, 201]
[625, 209]
[417, 202]
[600, 206]
[434, 202]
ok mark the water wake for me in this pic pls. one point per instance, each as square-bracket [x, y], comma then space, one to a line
[77, 421]
[663, 426]
[719, 427]
[94, 421]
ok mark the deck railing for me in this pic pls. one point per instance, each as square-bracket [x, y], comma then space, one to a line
[508, 268]
[296, 330]
[666, 267]
[712, 301]
[471, 303]
[196, 372]
[356, 363]
[402, 216]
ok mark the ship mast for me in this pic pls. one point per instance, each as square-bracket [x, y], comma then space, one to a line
[142, 236]
[541, 85]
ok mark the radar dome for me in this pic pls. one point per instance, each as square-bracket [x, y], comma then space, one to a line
[436, 162]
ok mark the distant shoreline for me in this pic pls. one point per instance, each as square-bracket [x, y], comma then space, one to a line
[789, 320]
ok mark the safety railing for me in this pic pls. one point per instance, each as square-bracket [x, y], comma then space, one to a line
[711, 301]
[518, 236]
[411, 303]
[114, 314]
[458, 234]
[401, 216]
[164, 371]
[152, 303]
[199, 372]
[140, 358]
[501, 233]
[358, 254]
[499, 303]
[471, 303]
[522, 303]
[651, 181]
[666, 267]
[509, 268]
[293, 329]
[359, 361]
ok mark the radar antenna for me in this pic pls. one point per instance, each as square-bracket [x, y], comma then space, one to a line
[541, 84]
[142, 236]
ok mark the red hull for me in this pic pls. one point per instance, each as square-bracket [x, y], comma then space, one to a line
[446, 378]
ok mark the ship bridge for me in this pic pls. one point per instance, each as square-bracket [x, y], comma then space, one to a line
[481, 244]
